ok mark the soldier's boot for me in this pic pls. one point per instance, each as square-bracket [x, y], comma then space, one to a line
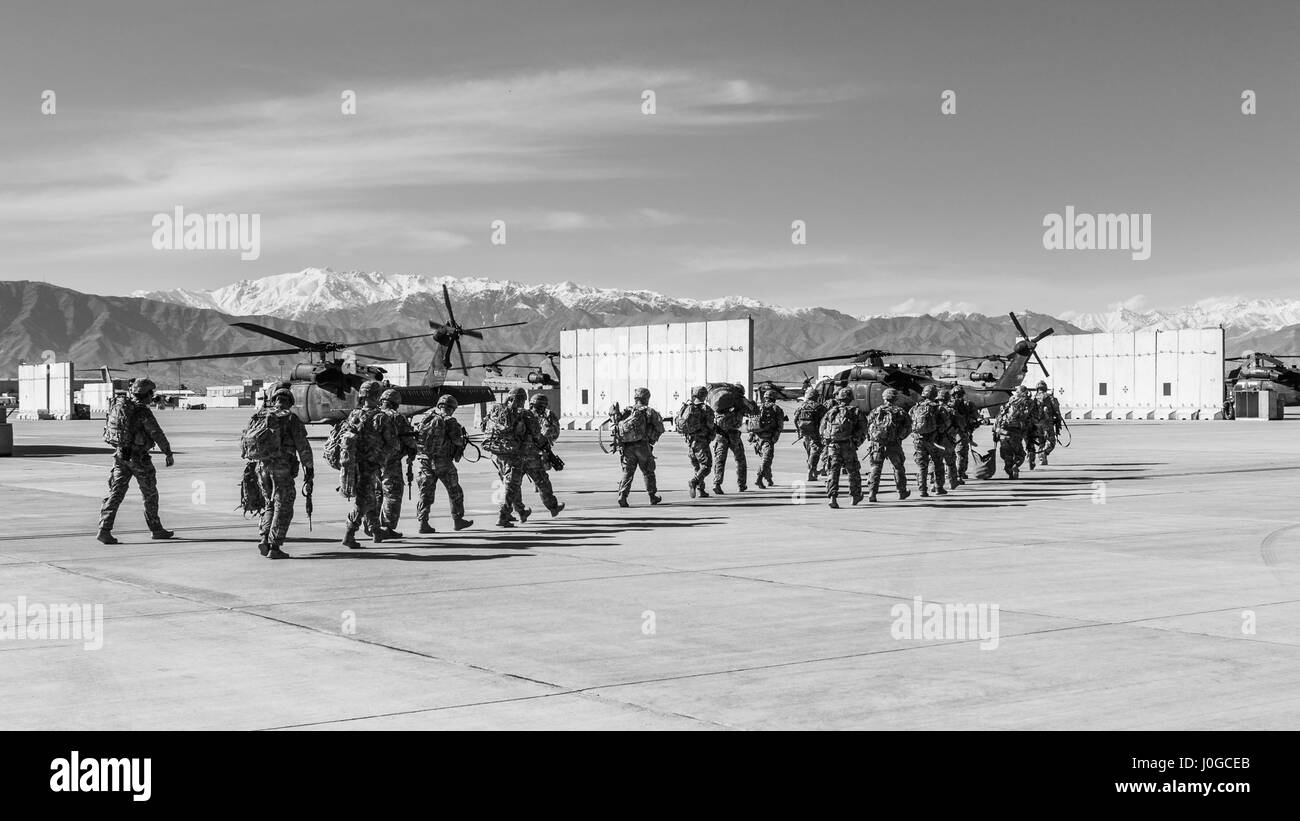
[833, 504]
[900, 482]
[703, 494]
[555, 511]
[524, 514]
[277, 553]
[924, 494]
[504, 519]
[691, 487]
[654, 500]
[940, 491]
[389, 533]
[716, 489]
[622, 502]
[350, 538]
[1043, 460]
[377, 533]
[812, 475]
[105, 536]
[858, 499]
[758, 483]
[162, 533]
[425, 527]
[264, 546]
[462, 523]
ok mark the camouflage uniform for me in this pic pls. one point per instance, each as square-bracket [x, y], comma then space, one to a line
[767, 438]
[133, 460]
[510, 436]
[729, 441]
[697, 444]
[949, 438]
[808, 422]
[887, 426]
[842, 442]
[440, 441]
[378, 441]
[639, 430]
[275, 476]
[1049, 421]
[927, 448]
[543, 429]
[392, 478]
[967, 418]
[1013, 422]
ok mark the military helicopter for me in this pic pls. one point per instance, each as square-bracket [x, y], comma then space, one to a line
[1266, 372]
[497, 379]
[869, 375]
[325, 389]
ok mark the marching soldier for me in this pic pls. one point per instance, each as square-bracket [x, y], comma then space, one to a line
[807, 423]
[543, 430]
[695, 422]
[392, 481]
[507, 434]
[377, 442]
[1012, 423]
[440, 442]
[729, 440]
[844, 429]
[639, 429]
[887, 426]
[949, 437]
[132, 430]
[967, 418]
[1049, 419]
[771, 421]
[276, 440]
[926, 447]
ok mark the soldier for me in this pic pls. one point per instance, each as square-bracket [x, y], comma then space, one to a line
[440, 441]
[543, 430]
[967, 418]
[949, 437]
[887, 426]
[807, 423]
[276, 440]
[926, 445]
[730, 441]
[771, 421]
[1049, 419]
[132, 430]
[639, 429]
[507, 435]
[1031, 430]
[377, 442]
[844, 429]
[695, 421]
[392, 480]
[1012, 422]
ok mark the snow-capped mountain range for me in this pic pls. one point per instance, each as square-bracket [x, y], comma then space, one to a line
[313, 291]
[1230, 312]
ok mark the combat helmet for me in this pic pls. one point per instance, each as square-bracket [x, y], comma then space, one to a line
[447, 401]
[539, 399]
[700, 392]
[370, 389]
[844, 394]
[771, 396]
[641, 394]
[958, 390]
[282, 390]
[890, 394]
[143, 386]
[518, 395]
[1042, 386]
[391, 395]
[930, 392]
[944, 395]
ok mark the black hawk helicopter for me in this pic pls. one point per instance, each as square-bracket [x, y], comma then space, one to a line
[325, 389]
[869, 375]
[1265, 372]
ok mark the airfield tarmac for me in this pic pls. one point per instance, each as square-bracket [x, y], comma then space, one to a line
[1124, 576]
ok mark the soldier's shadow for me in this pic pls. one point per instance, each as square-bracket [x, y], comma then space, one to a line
[406, 557]
[36, 451]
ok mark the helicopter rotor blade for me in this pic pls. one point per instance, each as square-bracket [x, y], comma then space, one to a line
[1020, 329]
[446, 300]
[807, 361]
[469, 331]
[290, 339]
[381, 341]
[463, 367]
[376, 358]
[234, 355]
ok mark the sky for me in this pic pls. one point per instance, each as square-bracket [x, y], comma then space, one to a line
[765, 113]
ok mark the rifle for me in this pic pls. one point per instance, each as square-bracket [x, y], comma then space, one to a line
[615, 437]
[410, 477]
[307, 488]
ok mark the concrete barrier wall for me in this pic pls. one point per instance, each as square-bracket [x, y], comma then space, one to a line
[1138, 375]
[600, 366]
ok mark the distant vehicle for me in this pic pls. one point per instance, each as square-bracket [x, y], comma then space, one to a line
[1265, 372]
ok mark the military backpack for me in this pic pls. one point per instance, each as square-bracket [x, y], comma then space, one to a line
[690, 419]
[839, 423]
[925, 417]
[121, 423]
[261, 439]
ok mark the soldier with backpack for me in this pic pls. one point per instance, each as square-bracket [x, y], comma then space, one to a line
[507, 433]
[765, 430]
[728, 423]
[639, 429]
[927, 447]
[844, 429]
[1012, 426]
[391, 477]
[132, 430]
[536, 455]
[949, 437]
[887, 426]
[1049, 419]
[373, 442]
[695, 422]
[967, 417]
[440, 442]
[275, 441]
[807, 424]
